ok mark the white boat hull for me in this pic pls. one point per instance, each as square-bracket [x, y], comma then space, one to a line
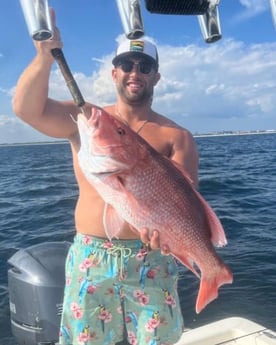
[229, 331]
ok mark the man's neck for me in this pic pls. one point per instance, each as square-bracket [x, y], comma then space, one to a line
[132, 114]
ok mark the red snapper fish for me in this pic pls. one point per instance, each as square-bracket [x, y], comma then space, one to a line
[147, 190]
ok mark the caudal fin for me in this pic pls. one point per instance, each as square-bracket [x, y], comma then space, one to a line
[209, 286]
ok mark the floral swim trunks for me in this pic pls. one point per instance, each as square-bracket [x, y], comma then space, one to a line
[119, 291]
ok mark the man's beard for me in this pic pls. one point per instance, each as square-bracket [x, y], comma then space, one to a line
[135, 98]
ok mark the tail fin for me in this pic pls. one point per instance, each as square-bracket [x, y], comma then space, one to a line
[209, 286]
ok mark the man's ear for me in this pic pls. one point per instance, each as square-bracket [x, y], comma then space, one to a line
[114, 75]
[157, 78]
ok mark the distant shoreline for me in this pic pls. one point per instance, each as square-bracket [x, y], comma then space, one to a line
[230, 133]
[36, 143]
[195, 135]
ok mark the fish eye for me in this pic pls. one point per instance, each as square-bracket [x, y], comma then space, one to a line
[121, 131]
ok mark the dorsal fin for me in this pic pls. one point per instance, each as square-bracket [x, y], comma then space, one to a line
[217, 232]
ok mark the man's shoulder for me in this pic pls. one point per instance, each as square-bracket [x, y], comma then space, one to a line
[110, 109]
[169, 125]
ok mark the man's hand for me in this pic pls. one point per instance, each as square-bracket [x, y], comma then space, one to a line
[153, 241]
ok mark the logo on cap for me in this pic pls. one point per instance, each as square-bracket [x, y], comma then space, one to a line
[137, 46]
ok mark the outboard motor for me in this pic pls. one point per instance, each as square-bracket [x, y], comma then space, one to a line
[36, 282]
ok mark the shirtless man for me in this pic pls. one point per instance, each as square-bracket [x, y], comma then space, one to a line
[120, 290]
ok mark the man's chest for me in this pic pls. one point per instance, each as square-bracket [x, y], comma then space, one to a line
[160, 145]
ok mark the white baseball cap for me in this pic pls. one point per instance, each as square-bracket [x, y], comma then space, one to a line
[136, 47]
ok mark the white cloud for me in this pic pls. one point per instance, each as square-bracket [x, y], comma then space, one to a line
[199, 84]
[226, 77]
[219, 81]
[227, 85]
[7, 92]
[7, 120]
[252, 8]
[97, 88]
[13, 130]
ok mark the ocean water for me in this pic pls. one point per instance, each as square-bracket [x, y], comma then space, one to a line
[237, 176]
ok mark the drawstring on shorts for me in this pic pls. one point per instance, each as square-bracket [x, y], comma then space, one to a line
[122, 253]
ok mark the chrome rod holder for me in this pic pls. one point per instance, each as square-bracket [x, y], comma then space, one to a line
[210, 24]
[273, 11]
[38, 19]
[131, 18]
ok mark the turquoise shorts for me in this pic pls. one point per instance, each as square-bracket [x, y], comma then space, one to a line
[119, 291]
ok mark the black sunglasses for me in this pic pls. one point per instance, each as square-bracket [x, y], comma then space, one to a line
[145, 67]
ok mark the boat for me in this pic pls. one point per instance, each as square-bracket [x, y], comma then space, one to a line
[229, 331]
[36, 281]
[36, 275]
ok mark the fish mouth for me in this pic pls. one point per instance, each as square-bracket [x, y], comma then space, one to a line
[89, 125]
[97, 157]
[87, 129]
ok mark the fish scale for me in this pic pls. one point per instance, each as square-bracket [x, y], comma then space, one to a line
[147, 190]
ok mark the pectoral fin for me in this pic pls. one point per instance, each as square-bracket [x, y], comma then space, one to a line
[112, 222]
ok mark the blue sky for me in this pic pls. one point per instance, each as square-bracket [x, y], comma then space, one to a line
[228, 85]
